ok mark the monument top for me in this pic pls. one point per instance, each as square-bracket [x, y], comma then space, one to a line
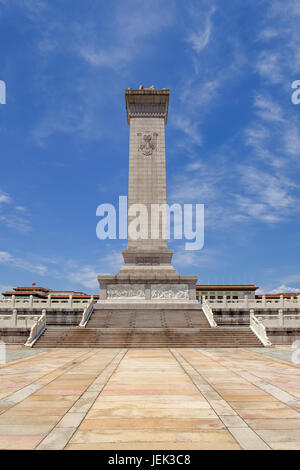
[147, 102]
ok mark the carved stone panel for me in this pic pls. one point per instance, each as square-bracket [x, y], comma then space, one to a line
[169, 291]
[147, 142]
[126, 291]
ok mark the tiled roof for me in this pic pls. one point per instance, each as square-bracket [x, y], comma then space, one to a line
[43, 295]
[276, 296]
[226, 287]
[31, 288]
[36, 294]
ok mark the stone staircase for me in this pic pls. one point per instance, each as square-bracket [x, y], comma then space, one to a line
[142, 318]
[76, 337]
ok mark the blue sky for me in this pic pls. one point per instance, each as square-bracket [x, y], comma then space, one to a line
[233, 134]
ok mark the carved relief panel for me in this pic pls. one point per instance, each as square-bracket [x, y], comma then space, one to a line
[132, 291]
[147, 142]
[172, 291]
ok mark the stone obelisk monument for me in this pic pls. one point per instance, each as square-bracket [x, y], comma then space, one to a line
[147, 280]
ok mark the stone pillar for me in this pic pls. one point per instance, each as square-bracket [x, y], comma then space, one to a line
[281, 301]
[31, 301]
[147, 291]
[280, 317]
[14, 317]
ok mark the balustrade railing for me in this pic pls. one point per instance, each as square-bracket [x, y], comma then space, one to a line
[38, 303]
[280, 320]
[262, 303]
[87, 313]
[208, 312]
[259, 329]
[37, 329]
[17, 321]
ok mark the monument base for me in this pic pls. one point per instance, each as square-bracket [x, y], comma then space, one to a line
[148, 297]
[146, 286]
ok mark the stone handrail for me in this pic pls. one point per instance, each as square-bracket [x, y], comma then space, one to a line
[259, 329]
[87, 313]
[37, 329]
[17, 321]
[206, 308]
[280, 319]
[36, 303]
[262, 303]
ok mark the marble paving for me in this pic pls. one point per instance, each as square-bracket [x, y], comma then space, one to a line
[150, 399]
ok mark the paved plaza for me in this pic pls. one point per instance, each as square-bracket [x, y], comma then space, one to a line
[150, 399]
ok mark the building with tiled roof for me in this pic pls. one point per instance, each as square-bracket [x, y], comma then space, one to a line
[231, 291]
[38, 292]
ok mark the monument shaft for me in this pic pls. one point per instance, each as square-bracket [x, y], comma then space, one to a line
[147, 111]
[147, 277]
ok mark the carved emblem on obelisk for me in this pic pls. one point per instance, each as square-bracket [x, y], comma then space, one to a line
[147, 142]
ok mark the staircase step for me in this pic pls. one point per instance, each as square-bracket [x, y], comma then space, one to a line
[66, 337]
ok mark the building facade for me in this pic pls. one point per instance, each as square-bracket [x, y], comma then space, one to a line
[230, 291]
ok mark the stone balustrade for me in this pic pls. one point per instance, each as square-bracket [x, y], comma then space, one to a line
[207, 310]
[259, 329]
[280, 320]
[17, 321]
[249, 303]
[87, 313]
[37, 329]
[31, 302]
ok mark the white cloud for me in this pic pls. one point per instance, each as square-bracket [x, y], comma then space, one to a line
[267, 109]
[16, 222]
[132, 25]
[189, 128]
[202, 258]
[5, 257]
[112, 261]
[10, 260]
[85, 276]
[199, 39]
[284, 288]
[279, 34]
[269, 65]
[4, 198]
[5, 287]
[10, 216]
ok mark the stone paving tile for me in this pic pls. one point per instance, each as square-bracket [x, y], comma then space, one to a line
[61, 434]
[239, 429]
[150, 399]
[273, 423]
[60, 397]
[269, 411]
[119, 414]
[208, 439]
[248, 439]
